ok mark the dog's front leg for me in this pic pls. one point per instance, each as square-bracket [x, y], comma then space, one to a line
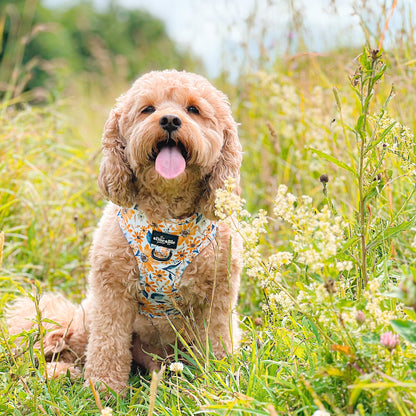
[108, 352]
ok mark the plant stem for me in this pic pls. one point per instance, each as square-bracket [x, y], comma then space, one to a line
[369, 75]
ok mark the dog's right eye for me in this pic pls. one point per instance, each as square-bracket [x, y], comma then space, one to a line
[149, 109]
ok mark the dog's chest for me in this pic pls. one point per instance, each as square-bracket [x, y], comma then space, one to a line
[163, 250]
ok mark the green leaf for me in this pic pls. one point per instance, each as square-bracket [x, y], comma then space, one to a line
[410, 313]
[360, 124]
[406, 329]
[350, 242]
[333, 160]
[390, 232]
[335, 91]
[387, 130]
[374, 190]
[355, 393]
[381, 137]
[307, 323]
[363, 60]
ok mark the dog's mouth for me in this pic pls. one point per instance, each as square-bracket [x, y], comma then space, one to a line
[170, 158]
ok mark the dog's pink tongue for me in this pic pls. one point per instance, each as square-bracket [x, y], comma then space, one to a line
[170, 162]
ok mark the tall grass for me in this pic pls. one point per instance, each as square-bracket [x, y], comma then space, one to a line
[49, 200]
[330, 263]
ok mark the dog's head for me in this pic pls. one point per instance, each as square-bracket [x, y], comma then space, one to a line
[169, 127]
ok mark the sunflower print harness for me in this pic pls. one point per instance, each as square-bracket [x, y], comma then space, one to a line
[163, 251]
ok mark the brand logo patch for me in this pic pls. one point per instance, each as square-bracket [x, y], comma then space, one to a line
[164, 240]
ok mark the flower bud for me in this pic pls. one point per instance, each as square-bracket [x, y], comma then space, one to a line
[389, 340]
[324, 178]
[360, 317]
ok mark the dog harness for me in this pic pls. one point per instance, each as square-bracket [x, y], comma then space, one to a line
[163, 250]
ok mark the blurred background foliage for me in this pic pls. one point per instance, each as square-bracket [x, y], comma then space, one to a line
[42, 48]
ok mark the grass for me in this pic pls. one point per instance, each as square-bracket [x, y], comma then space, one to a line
[326, 275]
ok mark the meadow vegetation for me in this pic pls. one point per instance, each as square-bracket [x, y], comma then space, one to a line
[328, 299]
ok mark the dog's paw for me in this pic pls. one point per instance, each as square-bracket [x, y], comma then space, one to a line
[56, 369]
[108, 387]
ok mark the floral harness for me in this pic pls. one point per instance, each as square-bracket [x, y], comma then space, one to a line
[163, 250]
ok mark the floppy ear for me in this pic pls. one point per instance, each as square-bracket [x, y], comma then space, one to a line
[227, 166]
[116, 179]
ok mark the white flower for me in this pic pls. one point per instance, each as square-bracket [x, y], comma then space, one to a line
[228, 203]
[276, 260]
[176, 367]
[344, 266]
[306, 199]
[282, 299]
[413, 244]
[107, 411]
[321, 413]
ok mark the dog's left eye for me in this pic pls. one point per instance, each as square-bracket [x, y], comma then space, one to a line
[149, 109]
[192, 109]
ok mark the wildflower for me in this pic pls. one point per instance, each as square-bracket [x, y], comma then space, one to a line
[107, 411]
[318, 234]
[321, 413]
[276, 260]
[399, 141]
[284, 203]
[360, 317]
[228, 203]
[324, 178]
[377, 313]
[307, 200]
[389, 340]
[321, 293]
[176, 367]
[344, 266]
[282, 299]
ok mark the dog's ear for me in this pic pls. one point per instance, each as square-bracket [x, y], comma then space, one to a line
[116, 179]
[227, 166]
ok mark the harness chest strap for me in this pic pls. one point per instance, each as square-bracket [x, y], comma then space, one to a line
[163, 250]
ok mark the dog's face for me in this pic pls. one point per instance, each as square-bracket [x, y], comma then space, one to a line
[169, 127]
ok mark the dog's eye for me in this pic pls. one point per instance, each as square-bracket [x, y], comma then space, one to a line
[149, 109]
[192, 109]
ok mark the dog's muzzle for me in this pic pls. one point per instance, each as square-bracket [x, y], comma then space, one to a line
[170, 123]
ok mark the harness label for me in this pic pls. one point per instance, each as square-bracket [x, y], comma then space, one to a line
[164, 240]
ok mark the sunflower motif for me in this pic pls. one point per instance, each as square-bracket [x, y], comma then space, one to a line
[160, 276]
[185, 233]
[181, 255]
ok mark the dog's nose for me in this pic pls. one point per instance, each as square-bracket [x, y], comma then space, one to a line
[170, 122]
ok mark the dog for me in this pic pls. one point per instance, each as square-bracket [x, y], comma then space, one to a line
[163, 267]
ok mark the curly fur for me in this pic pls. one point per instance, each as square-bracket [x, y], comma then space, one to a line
[107, 327]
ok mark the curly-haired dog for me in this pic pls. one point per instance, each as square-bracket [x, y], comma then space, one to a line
[160, 262]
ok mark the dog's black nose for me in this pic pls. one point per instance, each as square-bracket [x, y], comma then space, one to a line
[170, 123]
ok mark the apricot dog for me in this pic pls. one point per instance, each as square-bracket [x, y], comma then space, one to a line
[161, 263]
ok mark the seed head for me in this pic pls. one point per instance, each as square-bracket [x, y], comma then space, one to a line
[375, 53]
[330, 286]
[324, 178]
[258, 322]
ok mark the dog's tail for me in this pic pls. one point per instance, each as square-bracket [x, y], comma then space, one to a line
[65, 324]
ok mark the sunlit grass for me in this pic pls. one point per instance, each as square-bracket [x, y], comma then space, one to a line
[303, 349]
[49, 200]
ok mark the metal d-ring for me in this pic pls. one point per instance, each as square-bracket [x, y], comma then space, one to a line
[161, 258]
